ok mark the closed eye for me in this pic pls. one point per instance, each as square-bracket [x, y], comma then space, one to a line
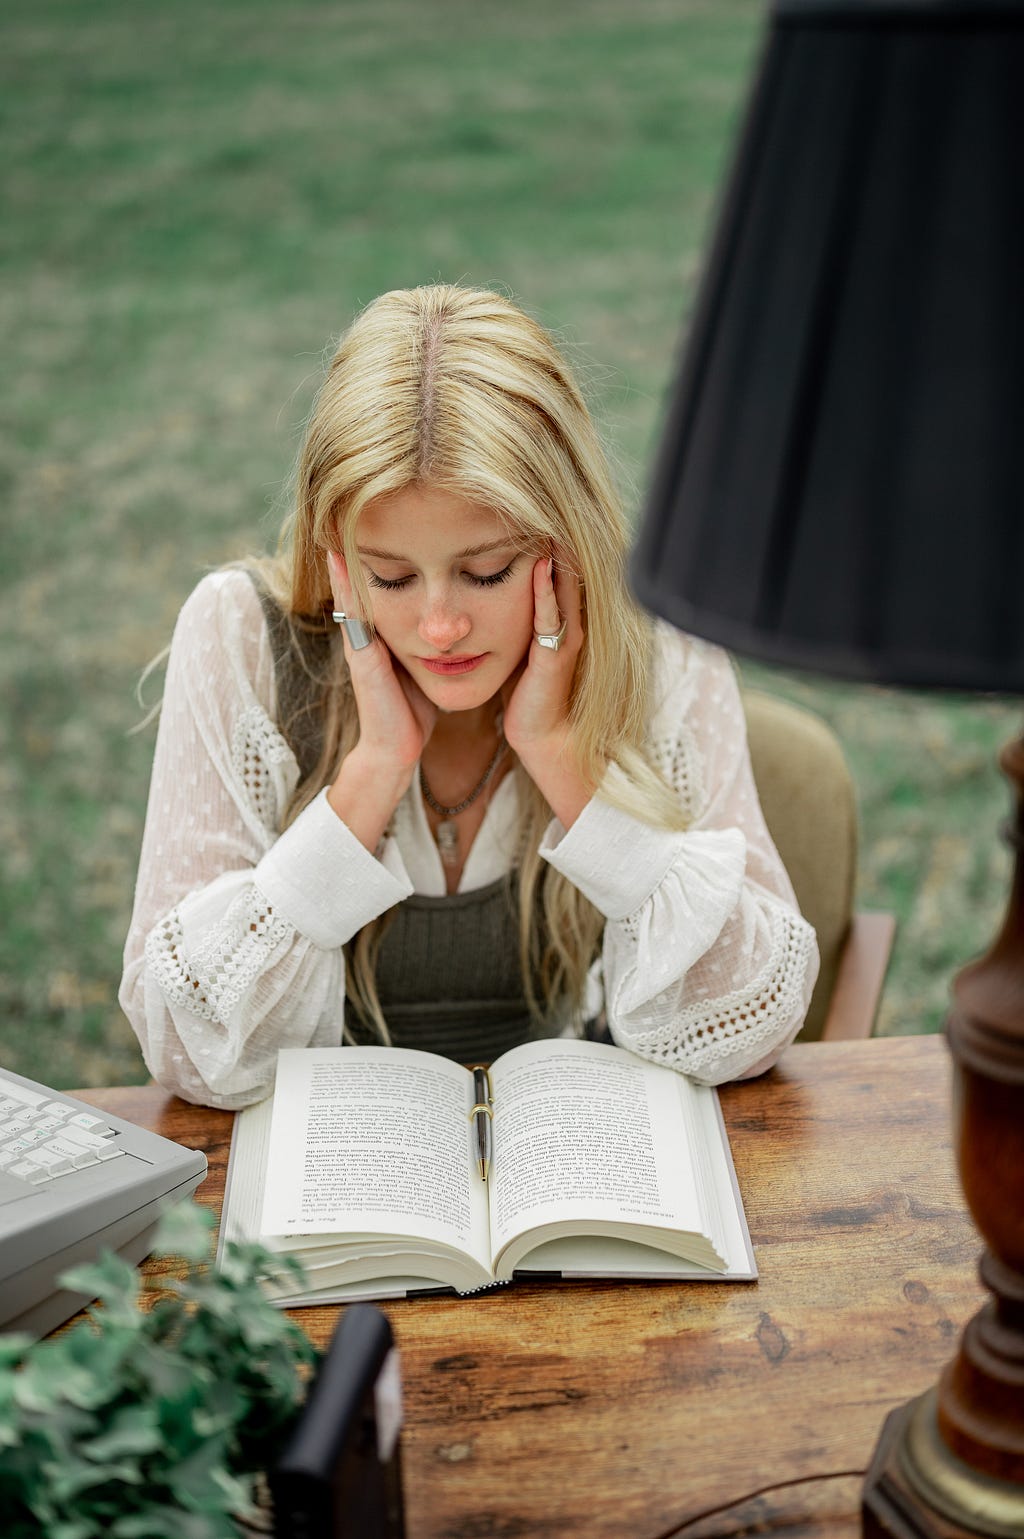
[493, 578]
[396, 584]
[392, 584]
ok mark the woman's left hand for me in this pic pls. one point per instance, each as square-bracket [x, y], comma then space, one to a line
[537, 723]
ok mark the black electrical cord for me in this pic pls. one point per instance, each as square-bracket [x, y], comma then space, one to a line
[749, 1496]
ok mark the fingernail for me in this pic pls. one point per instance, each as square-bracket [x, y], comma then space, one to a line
[551, 569]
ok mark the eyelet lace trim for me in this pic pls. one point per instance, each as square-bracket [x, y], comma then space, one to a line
[680, 763]
[255, 745]
[212, 982]
[744, 1023]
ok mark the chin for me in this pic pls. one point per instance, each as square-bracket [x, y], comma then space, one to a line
[449, 699]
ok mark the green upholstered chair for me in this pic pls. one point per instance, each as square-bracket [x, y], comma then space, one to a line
[809, 805]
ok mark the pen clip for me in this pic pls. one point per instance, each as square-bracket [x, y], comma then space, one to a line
[482, 1089]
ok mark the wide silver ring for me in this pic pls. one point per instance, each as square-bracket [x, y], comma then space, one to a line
[355, 630]
[552, 643]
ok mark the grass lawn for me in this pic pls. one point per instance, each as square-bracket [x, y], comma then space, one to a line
[196, 199]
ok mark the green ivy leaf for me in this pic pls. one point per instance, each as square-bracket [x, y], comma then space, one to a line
[164, 1374]
[96, 1364]
[13, 1349]
[185, 1230]
[72, 1528]
[237, 1492]
[170, 1523]
[67, 1482]
[151, 1524]
[36, 1389]
[134, 1429]
[111, 1279]
[192, 1480]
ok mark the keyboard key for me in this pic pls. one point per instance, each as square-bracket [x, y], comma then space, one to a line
[57, 1109]
[78, 1156]
[48, 1123]
[28, 1171]
[23, 1094]
[50, 1159]
[109, 1151]
[82, 1137]
[86, 1120]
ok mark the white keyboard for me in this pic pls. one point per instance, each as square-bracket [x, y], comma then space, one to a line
[42, 1138]
[72, 1181]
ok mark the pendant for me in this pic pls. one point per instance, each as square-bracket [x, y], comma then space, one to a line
[448, 842]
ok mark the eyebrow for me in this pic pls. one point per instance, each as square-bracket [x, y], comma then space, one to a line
[461, 555]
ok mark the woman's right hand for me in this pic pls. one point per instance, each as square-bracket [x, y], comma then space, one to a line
[395, 721]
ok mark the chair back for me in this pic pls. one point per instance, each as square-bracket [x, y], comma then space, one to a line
[808, 800]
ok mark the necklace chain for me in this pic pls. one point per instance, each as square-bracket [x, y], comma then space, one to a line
[467, 801]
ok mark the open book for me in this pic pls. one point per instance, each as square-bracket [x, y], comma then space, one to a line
[364, 1164]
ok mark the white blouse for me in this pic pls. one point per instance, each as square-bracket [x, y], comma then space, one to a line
[235, 942]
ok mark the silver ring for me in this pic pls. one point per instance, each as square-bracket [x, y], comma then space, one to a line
[552, 643]
[355, 630]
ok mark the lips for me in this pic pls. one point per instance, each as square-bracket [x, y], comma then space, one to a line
[449, 666]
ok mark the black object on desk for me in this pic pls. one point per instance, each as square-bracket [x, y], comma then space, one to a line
[340, 1476]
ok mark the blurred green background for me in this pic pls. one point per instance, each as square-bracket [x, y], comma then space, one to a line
[196, 198]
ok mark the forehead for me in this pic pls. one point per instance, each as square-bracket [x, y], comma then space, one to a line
[425, 523]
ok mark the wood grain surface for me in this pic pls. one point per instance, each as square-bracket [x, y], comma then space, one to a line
[629, 1410]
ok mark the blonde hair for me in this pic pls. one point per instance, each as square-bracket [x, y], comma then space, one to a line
[459, 390]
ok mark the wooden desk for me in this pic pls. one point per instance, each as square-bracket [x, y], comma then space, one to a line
[623, 1411]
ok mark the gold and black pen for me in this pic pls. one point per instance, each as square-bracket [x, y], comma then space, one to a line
[482, 1114]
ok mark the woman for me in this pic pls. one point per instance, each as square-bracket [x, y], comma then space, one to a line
[430, 777]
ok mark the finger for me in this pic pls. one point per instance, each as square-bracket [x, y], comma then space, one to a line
[547, 620]
[508, 689]
[568, 595]
[424, 710]
[357, 635]
[341, 588]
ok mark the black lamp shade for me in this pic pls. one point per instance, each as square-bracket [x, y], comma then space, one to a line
[840, 483]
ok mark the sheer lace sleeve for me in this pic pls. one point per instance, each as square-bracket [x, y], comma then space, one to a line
[707, 963]
[235, 942]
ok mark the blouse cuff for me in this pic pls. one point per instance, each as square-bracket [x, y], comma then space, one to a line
[325, 883]
[618, 862]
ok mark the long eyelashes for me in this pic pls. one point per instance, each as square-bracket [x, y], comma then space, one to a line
[396, 584]
[494, 578]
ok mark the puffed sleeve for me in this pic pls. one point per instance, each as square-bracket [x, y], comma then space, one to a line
[707, 964]
[235, 942]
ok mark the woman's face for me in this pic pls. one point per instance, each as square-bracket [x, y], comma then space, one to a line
[451, 593]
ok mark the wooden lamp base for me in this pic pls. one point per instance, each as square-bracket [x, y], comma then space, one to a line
[916, 1489]
[951, 1463]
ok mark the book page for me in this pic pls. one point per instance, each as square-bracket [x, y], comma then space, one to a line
[374, 1141]
[587, 1132]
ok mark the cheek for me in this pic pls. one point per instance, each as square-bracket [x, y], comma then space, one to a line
[387, 617]
[517, 619]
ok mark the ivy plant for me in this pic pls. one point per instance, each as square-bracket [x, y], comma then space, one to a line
[152, 1417]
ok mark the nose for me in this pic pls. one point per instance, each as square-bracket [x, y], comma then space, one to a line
[444, 624]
